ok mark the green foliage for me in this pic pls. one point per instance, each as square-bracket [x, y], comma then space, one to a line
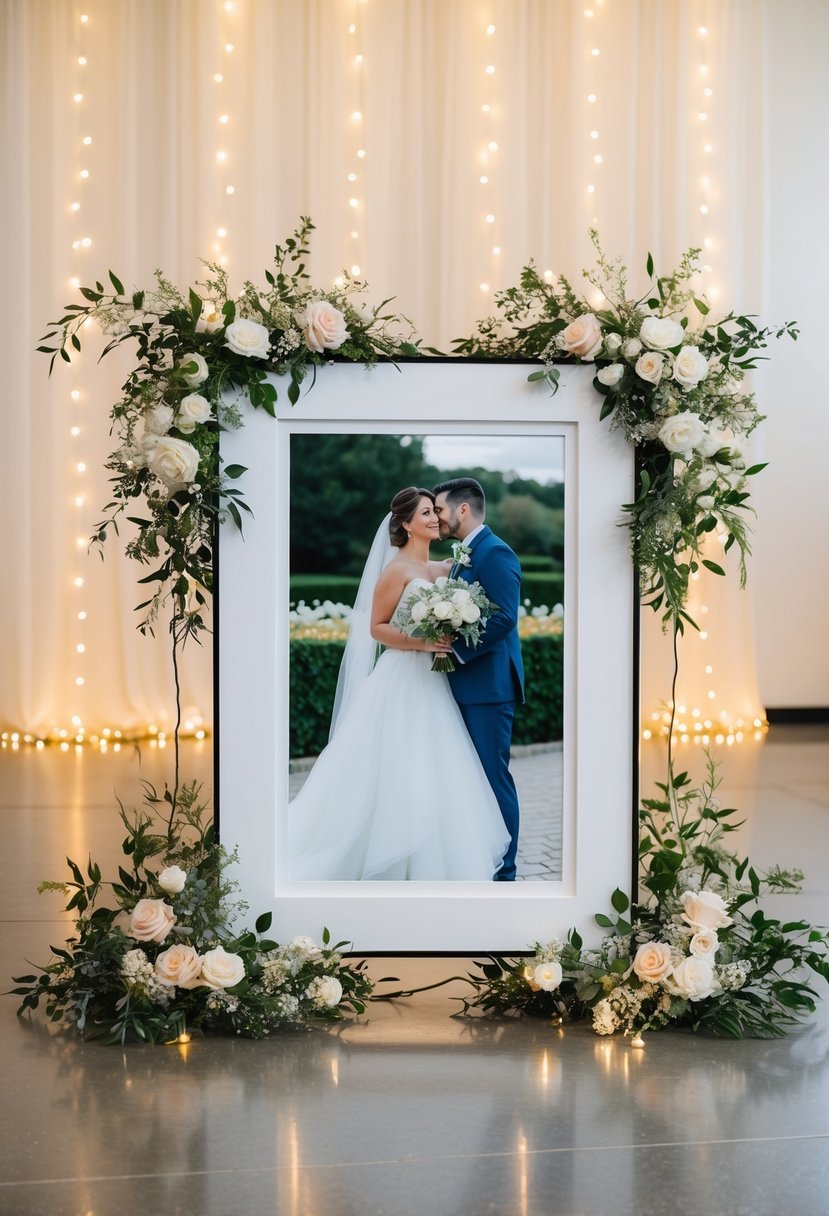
[540, 718]
[108, 981]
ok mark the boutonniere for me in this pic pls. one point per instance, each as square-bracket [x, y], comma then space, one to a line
[461, 554]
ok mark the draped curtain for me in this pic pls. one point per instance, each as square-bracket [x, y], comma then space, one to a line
[152, 133]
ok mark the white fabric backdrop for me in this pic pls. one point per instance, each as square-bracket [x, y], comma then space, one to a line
[156, 195]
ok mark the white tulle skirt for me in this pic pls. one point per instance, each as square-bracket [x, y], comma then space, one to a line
[399, 793]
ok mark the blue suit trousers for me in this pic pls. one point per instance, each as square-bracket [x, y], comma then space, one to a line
[490, 729]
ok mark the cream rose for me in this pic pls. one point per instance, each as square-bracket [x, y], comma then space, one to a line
[172, 879]
[179, 966]
[548, 976]
[174, 460]
[582, 337]
[210, 319]
[610, 376]
[470, 613]
[158, 419]
[195, 378]
[704, 944]
[690, 367]
[693, 979]
[652, 962]
[221, 969]
[661, 333]
[151, 920]
[631, 348]
[650, 367]
[705, 910]
[710, 443]
[248, 338]
[191, 411]
[442, 611]
[681, 432]
[612, 343]
[328, 991]
[323, 326]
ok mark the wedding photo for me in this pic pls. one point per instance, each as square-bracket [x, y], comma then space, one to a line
[414, 714]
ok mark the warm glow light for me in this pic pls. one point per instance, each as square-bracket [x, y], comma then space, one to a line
[77, 97]
[595, 52]
[221, 232]
[490, 219]
[591, 97]
[75, 431]
[356, 116]
[355, 269]
[353, 202]
[82, 60]
[87, 139]
[80, 681]
[594, 134]
[224, 118]
[230, 48]
[78, 581]
[483, 180]
[352, 177]
[80, 467]
[79, 500]
[598, 159]
[81, 649]
[484, 286]
[84, 173]
[230, 190]
[493, 147]
[490, 29]
[218, 77]
[496, 249]
[361, 153]
[221, 156]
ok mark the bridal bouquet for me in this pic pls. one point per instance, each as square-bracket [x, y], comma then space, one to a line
[447, 608]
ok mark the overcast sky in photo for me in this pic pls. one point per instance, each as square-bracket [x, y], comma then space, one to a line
[540, 457]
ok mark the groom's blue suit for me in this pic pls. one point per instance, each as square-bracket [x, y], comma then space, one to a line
[489, 679]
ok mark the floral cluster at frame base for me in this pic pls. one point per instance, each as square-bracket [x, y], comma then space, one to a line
[169, 959]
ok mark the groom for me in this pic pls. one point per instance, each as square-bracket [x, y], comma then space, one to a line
[489, 678]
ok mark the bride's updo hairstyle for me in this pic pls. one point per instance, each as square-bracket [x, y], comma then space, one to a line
[402, 507]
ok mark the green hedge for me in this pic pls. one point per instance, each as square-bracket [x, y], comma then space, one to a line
[538, 586]
[314, 668]
[542, 588]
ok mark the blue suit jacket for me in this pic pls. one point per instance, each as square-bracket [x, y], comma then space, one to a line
[493, 671]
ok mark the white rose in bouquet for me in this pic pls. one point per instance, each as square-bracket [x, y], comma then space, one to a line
[172, 879]
[191, 411]
[441, 580]
[710, 442]
[442, 611]
[146, 446]
[690, 367]
[248, 338]
[323, 326]
[419, 611]
[631, 348]
[221, 969]
[210, 319]
[693, 979]
[548, 976]
[706, 478]
[158, 419]
[704, 944]
[705, 910]
[303, 944]
[175, 461]
[151, 920]
[179, 966]
[612, 343]
[681, 432]
[194, 378]
[582, 337]
[661, 333]
[470, 613]
[460, 596]
[610, 376]
[650, 367]
[326, 990]
[706, 501]
[652, 962]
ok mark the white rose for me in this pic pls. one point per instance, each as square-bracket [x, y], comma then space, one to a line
[441, 580]
[693, 979]
[631, 348]
[248, 338]
[220, 969]
[151, 920]
[192, 410]
[710, 442]
[612, 343]
[158, 419]
[706, 501]
[681, 432]
[210, 319]
[582, 337]
[704, 944]
[705, 910]
[652, 962]
[690, 367]
[146, 446]
[442, 611]
[328, 990]
[661, 333]
[194, 379]
[706, 478]
[650, 367]
[470, 613]
[419, 610]
[461, 596]
[323, 326]
[548, 976]
[179, 966]
[172, 879]
[610, 376]
[306, 945]
[174, 460]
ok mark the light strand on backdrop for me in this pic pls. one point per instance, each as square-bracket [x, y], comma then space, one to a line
[355, 127]
[705, 724]
[225, 186]
[593, 101]
[486, 159]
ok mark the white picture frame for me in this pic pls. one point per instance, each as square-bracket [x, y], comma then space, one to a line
[600, 681]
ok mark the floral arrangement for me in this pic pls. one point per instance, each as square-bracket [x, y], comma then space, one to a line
[200, 353]
[698, 952]
[325, 619]
[447, 608]
[168, 958]
[672, 379]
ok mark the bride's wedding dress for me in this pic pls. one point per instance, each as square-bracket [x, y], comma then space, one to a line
[399, 793]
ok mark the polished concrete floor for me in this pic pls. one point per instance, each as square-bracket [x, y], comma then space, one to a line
[407, 1111]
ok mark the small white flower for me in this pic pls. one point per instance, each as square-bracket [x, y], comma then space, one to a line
[612, 343]
[172, 879]
[710, 442]
[704, 944]
[192, 410]
[661, 333]
[690, 367]
[610, 376]
[175, 461]
[693, 979]
[248, 338]
[705, 910]
[210, 319]
[681, 432]
[158, 419]
[194, 378]
[706, 501]
[306, 945]
[631, 348]
[548, 976]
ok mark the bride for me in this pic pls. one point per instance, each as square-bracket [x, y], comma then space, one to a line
[399, 792]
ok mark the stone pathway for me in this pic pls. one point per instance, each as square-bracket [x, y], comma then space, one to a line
[537, 770]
